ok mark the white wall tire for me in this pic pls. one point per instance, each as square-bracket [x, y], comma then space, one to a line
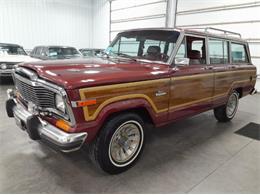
[117, 135]
[227, 112]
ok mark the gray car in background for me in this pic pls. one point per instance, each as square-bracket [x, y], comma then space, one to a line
[55, 52]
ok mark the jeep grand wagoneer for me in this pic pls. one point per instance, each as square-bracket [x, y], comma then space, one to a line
[152, 76]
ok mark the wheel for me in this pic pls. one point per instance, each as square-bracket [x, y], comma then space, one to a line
[119, 143]
[227, 112]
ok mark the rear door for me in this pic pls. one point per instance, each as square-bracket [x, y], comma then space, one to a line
[191, 85]
[218, 54]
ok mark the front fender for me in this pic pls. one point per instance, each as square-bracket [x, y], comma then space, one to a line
[93, 127]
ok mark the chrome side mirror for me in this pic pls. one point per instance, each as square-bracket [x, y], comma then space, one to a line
[182, 61]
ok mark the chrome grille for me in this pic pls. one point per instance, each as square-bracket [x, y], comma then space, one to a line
[38, 95]
[9, 65]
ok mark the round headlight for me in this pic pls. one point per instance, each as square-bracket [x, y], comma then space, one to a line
[3, 66]
[60, 105]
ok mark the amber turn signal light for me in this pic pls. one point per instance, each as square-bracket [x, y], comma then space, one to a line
[63, 125]
[86, 103]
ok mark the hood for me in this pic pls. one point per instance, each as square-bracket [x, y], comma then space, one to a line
[16, 58]
[72, 74]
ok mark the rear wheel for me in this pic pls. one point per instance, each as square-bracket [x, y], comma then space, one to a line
[227, 112]
[119, 143]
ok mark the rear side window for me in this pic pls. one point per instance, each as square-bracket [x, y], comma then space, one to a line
[238, 53]
[218, 51]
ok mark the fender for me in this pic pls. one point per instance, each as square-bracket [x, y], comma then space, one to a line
[93, 127]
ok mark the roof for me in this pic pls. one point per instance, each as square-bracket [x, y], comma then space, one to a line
[92, 49]
[199, 31]
[62, 46]
[10, 44]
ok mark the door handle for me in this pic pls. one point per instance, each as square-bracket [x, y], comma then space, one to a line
[160, 93]
[208, 68]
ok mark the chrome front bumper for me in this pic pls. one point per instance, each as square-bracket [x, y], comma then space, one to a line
[5, 72]
[40, 129]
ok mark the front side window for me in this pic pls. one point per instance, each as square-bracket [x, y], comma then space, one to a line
[238, 53]
[196, 50]
[12, 50]
[218, 51]
[153, 45]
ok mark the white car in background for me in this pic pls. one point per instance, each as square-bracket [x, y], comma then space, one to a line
[11, 54]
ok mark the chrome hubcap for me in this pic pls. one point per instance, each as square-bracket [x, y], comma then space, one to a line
[232, 105]
[125, 143]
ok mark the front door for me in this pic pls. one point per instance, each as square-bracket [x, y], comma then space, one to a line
[192, 86]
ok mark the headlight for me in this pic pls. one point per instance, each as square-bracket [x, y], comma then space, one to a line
[60, 105]
[3, 66]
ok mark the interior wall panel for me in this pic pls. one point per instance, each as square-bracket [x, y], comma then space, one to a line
[121, 4]
[46, 22]
[222, 16]
[151, 9]
[184, 5]
[158, 22]
[127, 14]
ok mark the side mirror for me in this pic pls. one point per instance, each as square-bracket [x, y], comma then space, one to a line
[182, 61]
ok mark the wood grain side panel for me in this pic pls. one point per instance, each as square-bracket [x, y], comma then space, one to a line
[182, 92]
[225, 81]
[106, 95]
[193, 89]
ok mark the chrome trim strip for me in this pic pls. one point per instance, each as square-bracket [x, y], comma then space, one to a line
[9, 71]
[176, 48]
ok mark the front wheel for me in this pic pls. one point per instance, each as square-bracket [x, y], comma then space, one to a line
[227, 112]
[119, 143]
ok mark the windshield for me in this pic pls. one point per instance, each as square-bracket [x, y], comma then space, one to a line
[12, 50]
[153, 45]
[63, 52]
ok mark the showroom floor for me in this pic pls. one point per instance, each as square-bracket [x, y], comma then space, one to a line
[196, 155]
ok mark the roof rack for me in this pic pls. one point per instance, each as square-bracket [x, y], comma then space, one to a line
[225, 32]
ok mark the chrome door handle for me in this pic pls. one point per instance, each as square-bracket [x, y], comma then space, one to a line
[160, 93]
[208, 68]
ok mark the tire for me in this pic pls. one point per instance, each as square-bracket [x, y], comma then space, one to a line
[227, 112]
[119, 143]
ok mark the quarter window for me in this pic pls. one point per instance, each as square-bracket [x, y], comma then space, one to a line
[181, 51]
[218, 51]
[238, 53]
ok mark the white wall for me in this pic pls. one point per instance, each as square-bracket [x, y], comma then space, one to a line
[129, 14]
[36, 22]
[100, 28]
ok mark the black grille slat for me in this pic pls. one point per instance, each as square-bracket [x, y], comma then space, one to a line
[38, 95]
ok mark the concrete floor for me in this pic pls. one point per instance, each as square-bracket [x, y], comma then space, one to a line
[196, 155]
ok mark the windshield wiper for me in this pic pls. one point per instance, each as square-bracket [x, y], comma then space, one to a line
[126, 56]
